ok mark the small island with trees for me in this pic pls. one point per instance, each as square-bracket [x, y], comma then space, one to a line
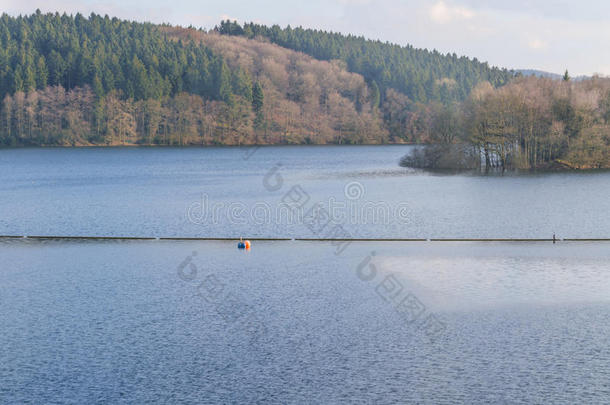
[100, 81]
[530, 123]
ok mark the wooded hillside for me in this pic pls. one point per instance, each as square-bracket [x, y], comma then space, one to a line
[305, 100]
[423, 76]
[71, 80]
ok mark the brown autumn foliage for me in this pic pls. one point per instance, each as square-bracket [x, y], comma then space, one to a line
[530, 123]
[306, 100]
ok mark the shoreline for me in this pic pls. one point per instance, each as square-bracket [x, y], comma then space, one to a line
[254, 145]
[559, 166]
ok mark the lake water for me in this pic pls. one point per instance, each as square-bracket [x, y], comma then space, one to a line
[151, 191]
[292, 321]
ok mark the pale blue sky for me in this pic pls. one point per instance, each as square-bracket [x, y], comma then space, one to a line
[548, 34]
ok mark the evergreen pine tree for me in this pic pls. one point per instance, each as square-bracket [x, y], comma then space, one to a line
[258, 97]
[375, 95]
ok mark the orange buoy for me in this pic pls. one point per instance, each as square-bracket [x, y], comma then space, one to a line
[247, 243]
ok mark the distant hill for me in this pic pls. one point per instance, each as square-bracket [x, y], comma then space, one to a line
[421, 75]
[549, 75]
[538, 73]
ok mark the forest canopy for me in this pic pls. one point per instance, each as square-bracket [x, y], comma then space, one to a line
[104, 53]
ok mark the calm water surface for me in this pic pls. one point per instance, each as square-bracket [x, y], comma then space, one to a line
[297, 322]
[148, 192]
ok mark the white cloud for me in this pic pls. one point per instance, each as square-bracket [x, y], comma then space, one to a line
[442, 13]
[537, 44]
[357, 2]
